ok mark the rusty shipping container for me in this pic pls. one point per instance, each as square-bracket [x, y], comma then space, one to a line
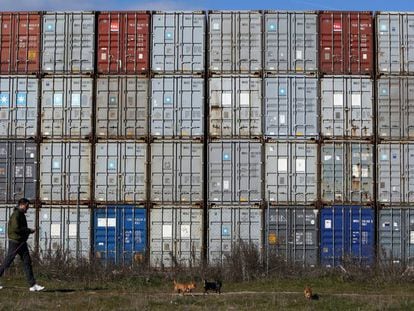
[19, 42]
[123, 42]
[346, 43]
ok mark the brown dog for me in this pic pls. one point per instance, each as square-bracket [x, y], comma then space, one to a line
[309, 295]
[184, 287]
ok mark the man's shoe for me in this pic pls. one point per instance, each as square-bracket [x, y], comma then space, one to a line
[36, 288]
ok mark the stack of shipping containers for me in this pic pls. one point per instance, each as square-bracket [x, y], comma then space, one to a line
[235, 133]
[176, 113]
[66, 106]
[19, 94]
[291, 132]
[395, 132]
[346, 41]
[121, 136]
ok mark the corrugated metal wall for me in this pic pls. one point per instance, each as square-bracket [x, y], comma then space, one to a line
[178, 136]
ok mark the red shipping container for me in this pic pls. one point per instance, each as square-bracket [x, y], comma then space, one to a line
[20, 42]
[123, 42]
[346, 43]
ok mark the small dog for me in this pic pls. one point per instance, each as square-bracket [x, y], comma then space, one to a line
[309, 295]
[184, 287]
[216, 286]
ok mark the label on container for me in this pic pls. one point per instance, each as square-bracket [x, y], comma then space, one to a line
[107, 222]
[226, 185]
[185, 231]
[216, 26]
[103, 56]
[73, 230]
[300, 165]
[337, 26]
[356, 100]
[244, 99]
[298, 54]
[114, 26]
[4, 99]
[55, 230]
[226, 99]
[272, 238]
[328, 224]
[282, 119]
[282, 164]
[338, 99]
[58, 99]
[31, 55]
[167, 231]
[411, 237]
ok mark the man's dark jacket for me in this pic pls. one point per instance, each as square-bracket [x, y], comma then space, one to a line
[17, 228]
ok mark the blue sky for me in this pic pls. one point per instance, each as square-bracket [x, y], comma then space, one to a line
[56, 5]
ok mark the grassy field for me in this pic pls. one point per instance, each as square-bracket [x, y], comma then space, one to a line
[123, 292]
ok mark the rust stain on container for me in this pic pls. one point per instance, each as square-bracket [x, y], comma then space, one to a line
[19, 42]
[123, 42]
[346, 42]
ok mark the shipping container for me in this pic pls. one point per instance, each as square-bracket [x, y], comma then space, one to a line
[291, 172]
[233, 227]
[347, 107]
[176, 236]
[395, 46]
[5, 213]
[64, 230]
[120, 234]
[20, 42]
[19, 104]
[123, 42]
[292, 234]
[291, 42]
[347, 172]
[235, 171]
[121, 107]
[68, 42]
[18, 170]
[177, 107]
[235, 41]
[395, 108]
[347, 235]
[346, 43]
[396, 235]
[177, 172]
[235, 105]
[120, 171]
[178, 42]
[291, 107]
[66, 107]
[65, 171]
[395, 171]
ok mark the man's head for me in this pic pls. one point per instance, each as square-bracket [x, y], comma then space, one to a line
[23, 204]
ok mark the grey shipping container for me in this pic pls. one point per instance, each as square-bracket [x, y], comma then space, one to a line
[18, 170]
[395, 107]
[176, 236]
[395, 45]
[291, 42]
[18, 107]
[292, 234]
[64, 230]
[395, 170]
[177, 107]
[66, 107]
[235, 42]
[122, 107]
[120, 171]
[396, 235]
[178, 42]
[233, 227]
[347, 172]
[291, 172]
[235, 171]
[291, 107]
[5, 213]
[68, 42]
[65, 172]
[346, 107]
[177, 172]
[235, 107]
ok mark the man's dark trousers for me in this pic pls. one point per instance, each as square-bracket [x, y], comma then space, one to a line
[21, 249]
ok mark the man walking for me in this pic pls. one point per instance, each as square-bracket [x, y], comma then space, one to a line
[18, 233]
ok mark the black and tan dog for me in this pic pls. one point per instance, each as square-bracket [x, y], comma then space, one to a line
[213, 286]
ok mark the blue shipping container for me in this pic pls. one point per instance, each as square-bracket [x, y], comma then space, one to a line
[120, 233]
[347, 232]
